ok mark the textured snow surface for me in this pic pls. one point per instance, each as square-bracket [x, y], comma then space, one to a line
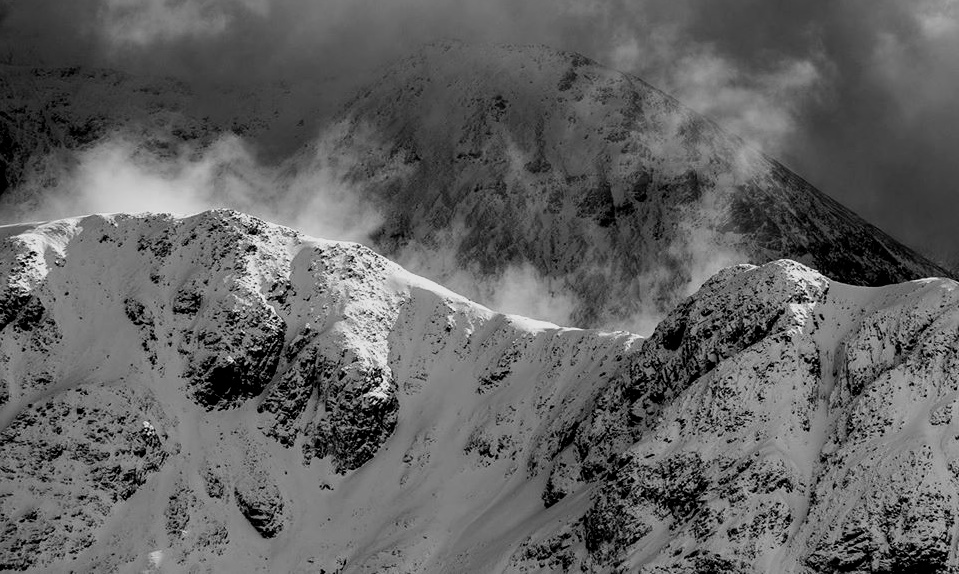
[212, 390]
[215, 393]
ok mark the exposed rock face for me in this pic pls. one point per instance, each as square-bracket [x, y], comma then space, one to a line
[67, 461]
[341, 363]
[183, 391]
[793, 425]
[776, 421]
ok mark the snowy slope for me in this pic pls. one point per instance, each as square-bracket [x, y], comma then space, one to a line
[216, 392]
[207, 390]
[780, 422]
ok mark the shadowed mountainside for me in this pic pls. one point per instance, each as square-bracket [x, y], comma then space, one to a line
[481, 160]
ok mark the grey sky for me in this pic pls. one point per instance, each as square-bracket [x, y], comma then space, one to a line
[858, 96]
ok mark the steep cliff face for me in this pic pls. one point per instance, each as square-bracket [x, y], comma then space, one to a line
[777, 422]
[512, 155]
[218, 392]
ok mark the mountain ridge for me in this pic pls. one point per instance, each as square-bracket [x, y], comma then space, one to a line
[235, 395]
[521, 157]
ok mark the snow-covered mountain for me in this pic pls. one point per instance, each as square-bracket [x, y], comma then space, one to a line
[487, 159]
[526, 155]
[219, 393]
[214, 388]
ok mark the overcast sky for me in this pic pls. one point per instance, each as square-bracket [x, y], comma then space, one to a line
[860, 97]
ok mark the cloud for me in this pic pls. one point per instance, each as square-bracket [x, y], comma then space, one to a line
[695, 253]
[522, 290]
[518, 288]
[760, 108]
[760, 105]
[244, 40]
[855, 96]
[312, 193]
[120, 174]
[937, 18]
[143, 22]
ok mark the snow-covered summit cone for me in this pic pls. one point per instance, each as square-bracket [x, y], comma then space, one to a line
[512, 155]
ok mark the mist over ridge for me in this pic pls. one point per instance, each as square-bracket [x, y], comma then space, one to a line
[501, 171]
[437, 286]
[850, 95]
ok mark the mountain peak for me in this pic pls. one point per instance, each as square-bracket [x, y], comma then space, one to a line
[523, 155]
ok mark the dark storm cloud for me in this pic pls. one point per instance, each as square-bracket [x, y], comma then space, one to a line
[885, 142]
[256, 39]
[858, 96]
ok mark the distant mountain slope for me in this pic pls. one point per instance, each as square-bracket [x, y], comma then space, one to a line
[521, 154]
[480, 160]
[216, 392]
[47, 113]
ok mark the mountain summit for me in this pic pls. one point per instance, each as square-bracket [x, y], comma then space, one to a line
[509, 155]
[218, 393]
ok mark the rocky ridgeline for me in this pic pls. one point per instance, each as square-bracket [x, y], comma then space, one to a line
[182, 386]
[776, 422]
[215, 392]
